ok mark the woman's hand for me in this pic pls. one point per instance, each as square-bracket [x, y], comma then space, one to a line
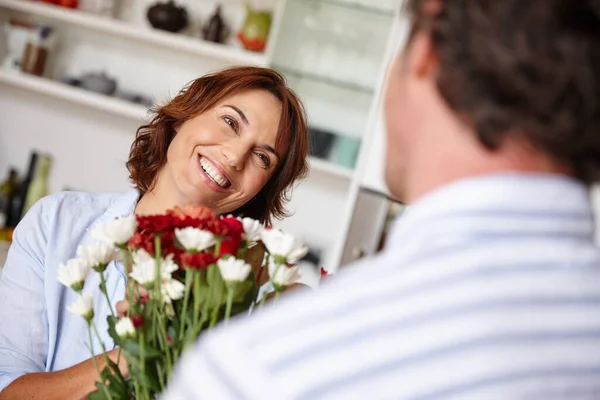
[122, 308]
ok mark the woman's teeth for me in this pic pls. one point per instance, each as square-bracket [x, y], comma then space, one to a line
[213, 173]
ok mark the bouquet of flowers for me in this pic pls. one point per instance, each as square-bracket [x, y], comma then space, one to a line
[187, 270]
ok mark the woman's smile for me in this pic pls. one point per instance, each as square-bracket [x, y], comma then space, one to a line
[213, 175]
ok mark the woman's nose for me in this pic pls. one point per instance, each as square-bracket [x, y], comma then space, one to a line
[235, 156]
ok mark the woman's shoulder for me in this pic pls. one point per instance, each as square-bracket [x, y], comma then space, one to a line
[71, 208]
[89, 203]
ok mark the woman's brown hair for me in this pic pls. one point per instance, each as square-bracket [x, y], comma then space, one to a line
[149, 149]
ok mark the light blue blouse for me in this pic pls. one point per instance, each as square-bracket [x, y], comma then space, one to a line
[37, 333]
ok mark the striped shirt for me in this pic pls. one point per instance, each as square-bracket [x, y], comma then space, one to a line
[488, 288]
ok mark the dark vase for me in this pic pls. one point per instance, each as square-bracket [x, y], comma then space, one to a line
[167, 16]
[321, 142]
[216, 30]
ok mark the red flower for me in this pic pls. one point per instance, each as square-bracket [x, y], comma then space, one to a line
[230, 246]
[325, 274]
[229, 226]
[144, 299]
[137, 320]
[146, 240]
[199, 260]
[156, 223]
[194, 212]
[142, 240]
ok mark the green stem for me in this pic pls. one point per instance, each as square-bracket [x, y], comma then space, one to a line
[189, 275]
[105, 292]
[136, 387]
[143, 363]
[218, 246]
[215, 315]
[101, 343]
[126, 259]
[277, 292]
[157, 259]
[126, 256]
[230, 291]
[161, 378]
[166, 347]
[197, 294]
[95, 362]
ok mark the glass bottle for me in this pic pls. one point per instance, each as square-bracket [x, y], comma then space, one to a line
[8, 188]
[38, 187]
[16, 207]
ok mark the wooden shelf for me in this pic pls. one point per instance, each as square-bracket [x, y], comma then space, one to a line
[73, 94]
[119, 28]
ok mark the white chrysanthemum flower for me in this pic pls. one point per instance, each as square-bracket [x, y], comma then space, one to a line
[125, 328]
[116, 232]
[282, 275]
[233, 270]
[283, 245]
[168, 266]
[194, 239]
[140, 256]
[144, 272]
[172, 289]
[144, 268]
[83, 307]
[97, 255]
[252, 230]
[73, 273]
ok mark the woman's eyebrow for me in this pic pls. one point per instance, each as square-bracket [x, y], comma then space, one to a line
[240, 112]
[270, 149]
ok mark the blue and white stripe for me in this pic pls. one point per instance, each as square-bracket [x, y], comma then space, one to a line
[487, 289]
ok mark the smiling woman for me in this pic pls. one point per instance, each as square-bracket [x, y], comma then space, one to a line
[234, 141]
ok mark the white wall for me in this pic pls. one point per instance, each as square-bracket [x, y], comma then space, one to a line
[89, 148]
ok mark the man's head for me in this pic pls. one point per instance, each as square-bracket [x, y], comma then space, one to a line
[489, 86]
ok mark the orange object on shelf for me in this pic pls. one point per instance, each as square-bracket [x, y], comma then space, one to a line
[63, 3]
[6, 234]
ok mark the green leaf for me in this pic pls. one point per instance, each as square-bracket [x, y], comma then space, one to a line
[99, 394]
[243, 305]
[111, 329]
[241, 290]
[133, 348]
[173, 333]
[218, 290]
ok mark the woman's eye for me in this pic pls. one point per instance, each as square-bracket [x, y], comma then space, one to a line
[266, 160]
[231, 122]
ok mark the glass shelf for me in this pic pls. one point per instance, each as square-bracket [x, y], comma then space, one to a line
[325, 80]
[354, 5]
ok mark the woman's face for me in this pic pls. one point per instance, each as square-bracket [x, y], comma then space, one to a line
[223, 157]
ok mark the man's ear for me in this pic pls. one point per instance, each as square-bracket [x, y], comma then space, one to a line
[421, 60]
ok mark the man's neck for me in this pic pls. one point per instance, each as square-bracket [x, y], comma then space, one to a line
[462, 159]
